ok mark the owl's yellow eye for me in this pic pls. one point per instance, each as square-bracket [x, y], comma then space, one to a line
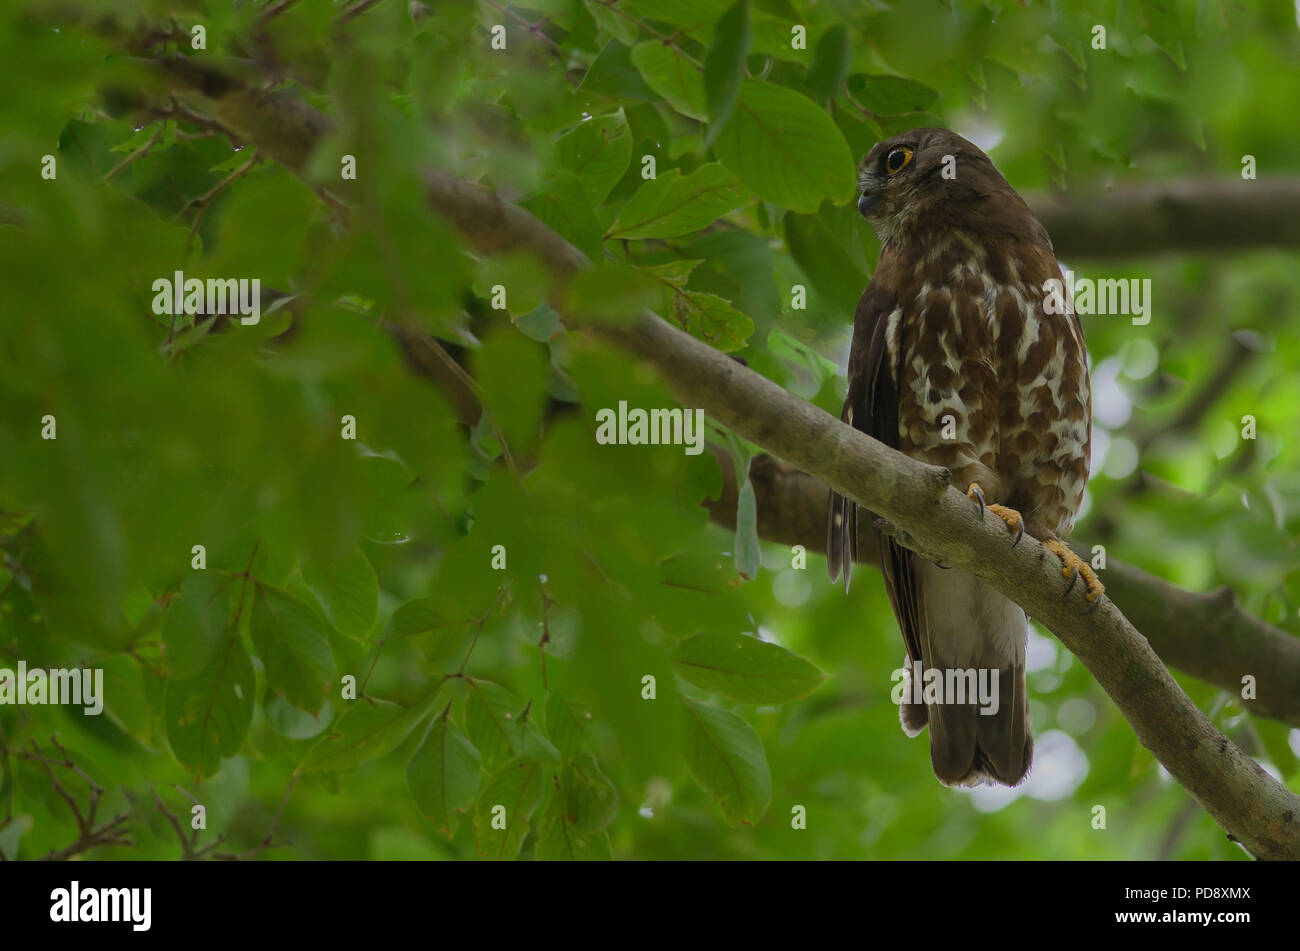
[897, 159]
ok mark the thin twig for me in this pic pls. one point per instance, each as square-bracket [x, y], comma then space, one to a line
[355, 11]
[274, 11]
[478, 627]
[534, 28]
[267, 841]
[204, 200]
[472, 385]
[136, 155]
[89, 835]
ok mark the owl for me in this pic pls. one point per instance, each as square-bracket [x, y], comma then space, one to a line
[958, 360]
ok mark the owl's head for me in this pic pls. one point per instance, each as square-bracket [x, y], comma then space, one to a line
[928, 179]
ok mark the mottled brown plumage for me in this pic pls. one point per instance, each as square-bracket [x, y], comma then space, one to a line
[955, 361]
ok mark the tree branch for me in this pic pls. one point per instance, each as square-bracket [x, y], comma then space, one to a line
[1194, 214]
[89, 834]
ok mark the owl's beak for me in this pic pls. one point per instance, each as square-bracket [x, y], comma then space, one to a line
[868, 201]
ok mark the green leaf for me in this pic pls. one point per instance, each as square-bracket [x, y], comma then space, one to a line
[567, 723]
[208, 715]
[786, 149]
[611, 291]
[688, 14]
[562, 204]
[195, 623]
[443, 775]
[726, 758]
[293, 646]
[518, 789]
[831, 63]
[890, 95]
[367, 730]
[746, 669]
[673, 205]
[535, 743]
[417, 616]
[597, 152]
[512, 371]
[823, 258]
[491, 716]
[1274, 737]
[799, 354]
[422, 618]
[673, 75]
[12, 832]
[610, 22]
[612, 74]
[560, 839]
[707, 317]
[590, 799]
[747, 554]
[724, 66]
[737, 266]
[347, 590]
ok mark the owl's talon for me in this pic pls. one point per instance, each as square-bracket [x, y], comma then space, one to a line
[1075, 567]
[976, 493]
[1013, 520]
[1074, 576]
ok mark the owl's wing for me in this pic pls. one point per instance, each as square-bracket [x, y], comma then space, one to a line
[872, 407]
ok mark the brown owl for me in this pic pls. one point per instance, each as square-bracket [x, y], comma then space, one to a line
[957, 361]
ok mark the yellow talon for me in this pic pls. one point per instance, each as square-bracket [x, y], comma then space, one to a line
[1008, 515]
[1072, 564]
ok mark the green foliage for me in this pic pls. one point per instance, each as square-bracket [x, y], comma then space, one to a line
[459, 609]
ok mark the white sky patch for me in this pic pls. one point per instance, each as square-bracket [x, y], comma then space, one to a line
[1100, 447]
[1060, 765]
[1040, 653]
[993, 798]
[1111, 407]
[1294, 736]
[980, 131]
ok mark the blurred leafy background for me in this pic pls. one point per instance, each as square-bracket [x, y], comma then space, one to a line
[373, 557]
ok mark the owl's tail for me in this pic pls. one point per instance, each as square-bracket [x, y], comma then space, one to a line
[972, 642]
